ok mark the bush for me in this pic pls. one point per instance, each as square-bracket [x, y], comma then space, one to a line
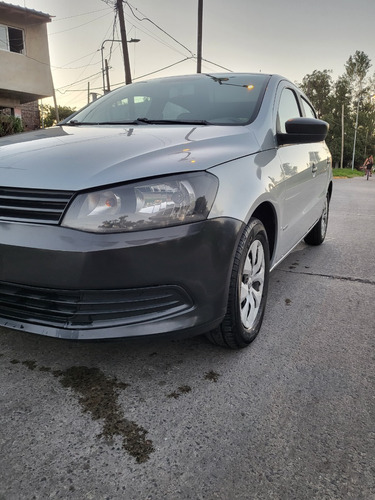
[347, 172]
[49, 113]
[10, 125]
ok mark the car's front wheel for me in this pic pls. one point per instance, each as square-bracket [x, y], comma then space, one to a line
[248, 290]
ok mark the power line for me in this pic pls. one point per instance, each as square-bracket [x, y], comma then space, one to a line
[157, 26]
[132, 8]
[76, 67]
[122, 83]
[113, 36]
[80, 26]
[85, 67]
[112, 3]
[218, 65]
[154, 36]
[166, 67]
[79, 81]
[136, 78]
[147, 32]
[78, 15]
[75, 60]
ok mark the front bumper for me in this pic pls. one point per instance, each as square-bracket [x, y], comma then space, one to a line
[70, 284]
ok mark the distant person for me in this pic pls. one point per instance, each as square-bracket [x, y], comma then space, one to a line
[369, 163]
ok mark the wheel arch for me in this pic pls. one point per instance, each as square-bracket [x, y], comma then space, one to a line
[266, 213]
[329, 191]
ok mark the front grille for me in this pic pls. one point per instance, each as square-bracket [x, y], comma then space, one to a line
[33, 205]
[87, 309]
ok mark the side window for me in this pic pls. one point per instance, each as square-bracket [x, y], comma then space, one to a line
[309, 111]
[288, 108]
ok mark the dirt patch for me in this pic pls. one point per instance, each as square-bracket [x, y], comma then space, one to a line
[44, 369]
[183, 389]
[212, 376]
[98, 395]
[31, 365]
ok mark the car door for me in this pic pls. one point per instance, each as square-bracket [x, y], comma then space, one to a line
[301, 164]
[321, 163]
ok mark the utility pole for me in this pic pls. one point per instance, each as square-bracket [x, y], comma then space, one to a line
[108, 89]
[56, 106]
[200, 23]
[120, 10]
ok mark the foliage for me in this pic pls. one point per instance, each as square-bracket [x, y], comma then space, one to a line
[347, 172]
[317, 87]
[10, 125]
[48, 114]
[357, 67]
[347, 99]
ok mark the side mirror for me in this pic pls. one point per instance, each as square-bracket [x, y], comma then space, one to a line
[303, 131]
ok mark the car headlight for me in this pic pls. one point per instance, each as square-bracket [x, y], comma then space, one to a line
[153, 203]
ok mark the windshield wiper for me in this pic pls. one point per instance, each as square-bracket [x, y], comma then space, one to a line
[76, 123]
[139, 121]
[173, 122]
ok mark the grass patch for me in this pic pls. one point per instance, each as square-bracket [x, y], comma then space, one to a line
[347, 172]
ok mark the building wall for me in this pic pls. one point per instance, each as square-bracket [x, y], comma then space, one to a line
[28, 113]
[25, 77]
[30, 116]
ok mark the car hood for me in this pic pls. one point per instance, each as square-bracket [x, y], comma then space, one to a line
[75, 158]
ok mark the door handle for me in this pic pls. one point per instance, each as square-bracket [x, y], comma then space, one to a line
[314, 168]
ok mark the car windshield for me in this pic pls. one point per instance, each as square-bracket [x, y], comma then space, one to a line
[223, 99]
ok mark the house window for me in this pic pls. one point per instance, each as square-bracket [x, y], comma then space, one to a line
[11, 39]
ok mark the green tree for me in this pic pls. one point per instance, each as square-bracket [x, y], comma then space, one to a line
[341, 99]
[348, 96]
[356, 70]
[49, 114]
[357, 67]
[366, 127]
[318, 88]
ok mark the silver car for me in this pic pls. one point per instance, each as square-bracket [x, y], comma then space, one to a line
[161, 208]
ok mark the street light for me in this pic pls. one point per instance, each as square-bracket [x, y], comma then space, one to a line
[105, 70]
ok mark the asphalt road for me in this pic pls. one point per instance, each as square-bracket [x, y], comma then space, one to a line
[291, 417]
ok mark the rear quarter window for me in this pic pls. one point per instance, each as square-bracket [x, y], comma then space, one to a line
[308, 109]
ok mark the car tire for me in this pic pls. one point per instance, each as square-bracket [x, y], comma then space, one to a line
[247, 290]
[318, 233]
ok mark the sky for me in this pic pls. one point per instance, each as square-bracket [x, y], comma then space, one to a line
[289, 37]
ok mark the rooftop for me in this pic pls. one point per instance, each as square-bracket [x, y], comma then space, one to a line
[29, 15]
